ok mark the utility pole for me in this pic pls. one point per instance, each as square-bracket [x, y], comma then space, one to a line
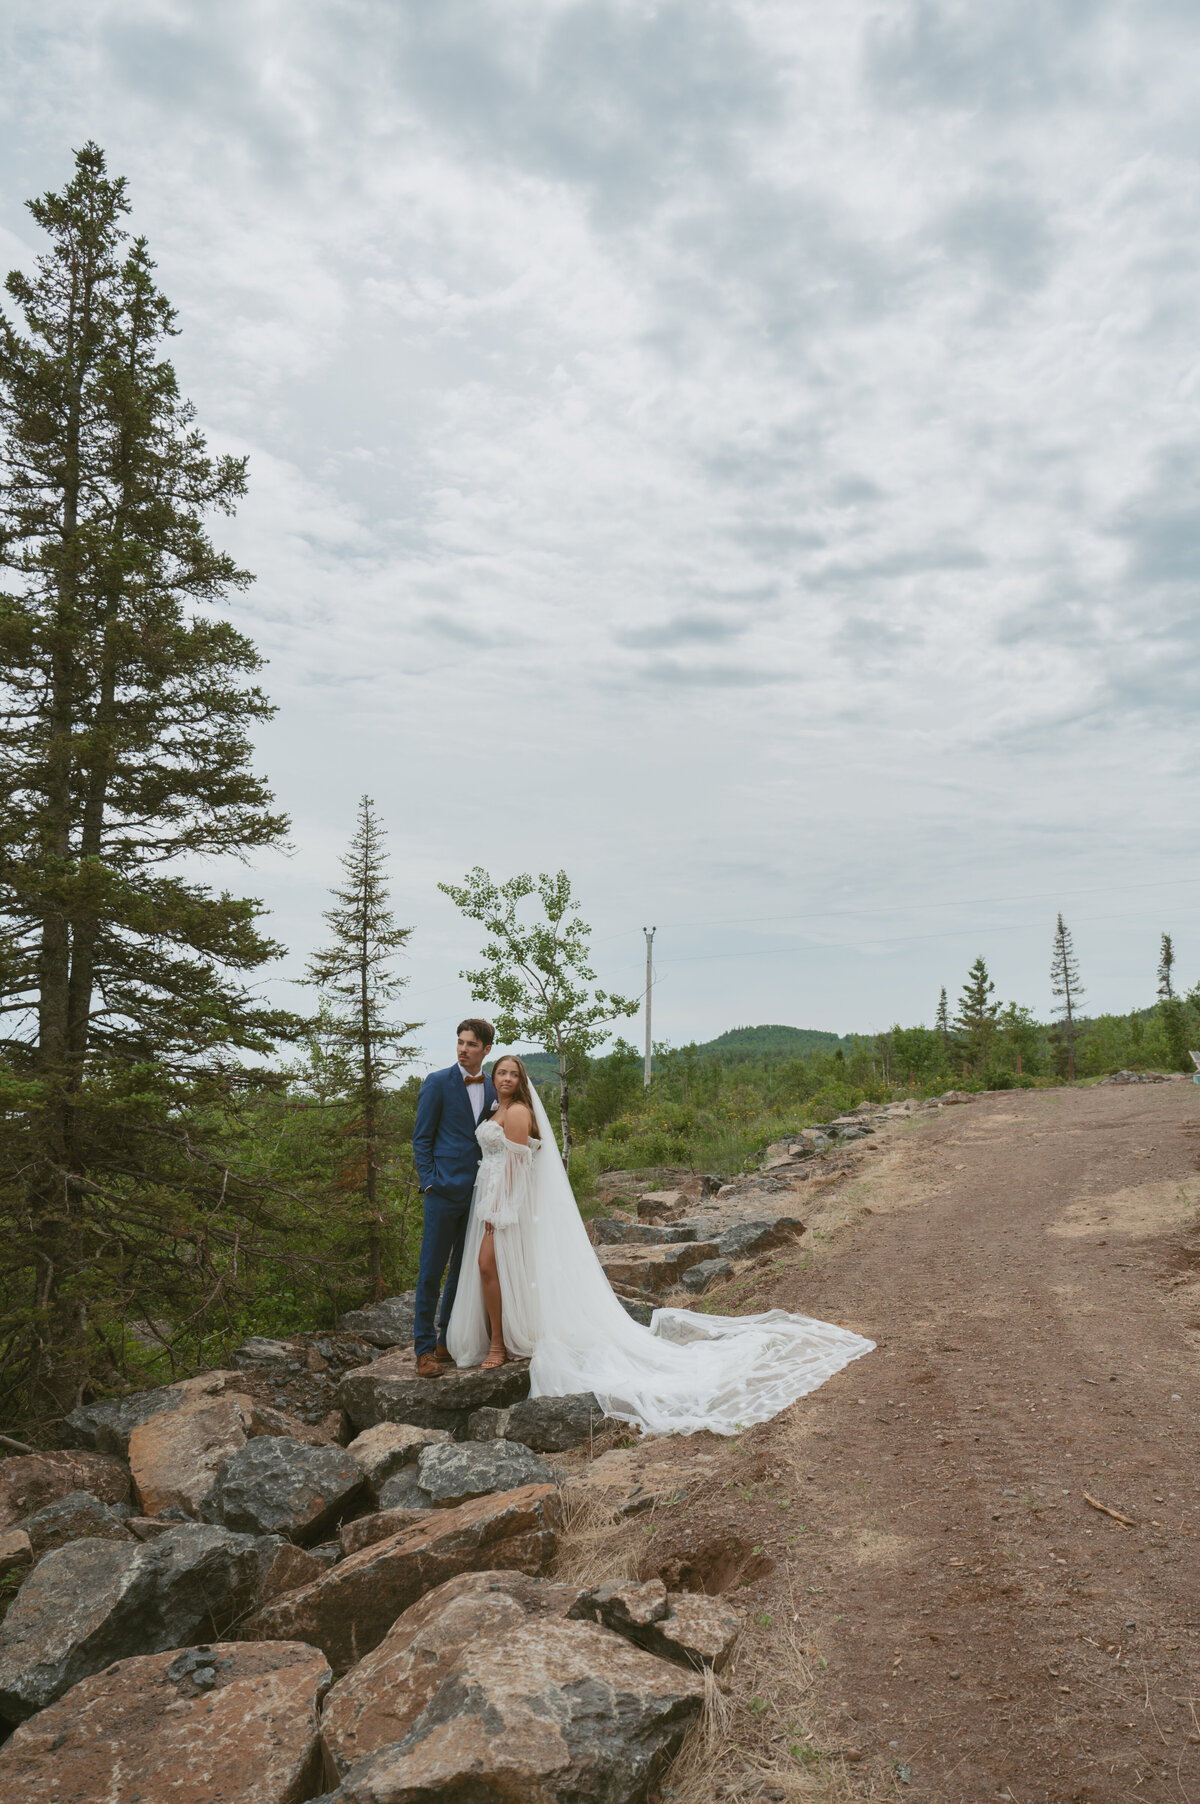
[649, 933]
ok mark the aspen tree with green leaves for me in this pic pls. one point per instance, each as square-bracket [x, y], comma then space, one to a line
[537, 975]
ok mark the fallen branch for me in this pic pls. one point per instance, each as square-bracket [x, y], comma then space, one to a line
[6, 1440]
[1104, 1509]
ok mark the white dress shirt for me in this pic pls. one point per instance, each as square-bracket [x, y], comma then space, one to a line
[475, 1095]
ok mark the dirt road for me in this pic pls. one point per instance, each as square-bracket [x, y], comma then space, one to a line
[928, 1588]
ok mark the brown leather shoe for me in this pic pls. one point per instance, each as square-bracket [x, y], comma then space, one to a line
[427, 1366]
[443, 1356]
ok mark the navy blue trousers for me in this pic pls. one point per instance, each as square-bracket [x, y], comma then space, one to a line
[441, 1245]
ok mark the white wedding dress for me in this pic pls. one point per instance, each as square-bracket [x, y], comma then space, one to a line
[685, 1372]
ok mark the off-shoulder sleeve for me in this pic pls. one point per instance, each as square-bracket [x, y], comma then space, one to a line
[508, 1198]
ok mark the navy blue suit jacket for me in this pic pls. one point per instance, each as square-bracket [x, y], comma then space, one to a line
[444, 1144]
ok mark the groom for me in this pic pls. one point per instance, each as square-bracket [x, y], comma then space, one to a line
[450, 1107]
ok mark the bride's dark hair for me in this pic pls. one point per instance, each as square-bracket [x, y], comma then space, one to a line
[522, 1091]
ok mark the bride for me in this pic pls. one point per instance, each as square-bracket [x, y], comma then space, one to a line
[532, 1285]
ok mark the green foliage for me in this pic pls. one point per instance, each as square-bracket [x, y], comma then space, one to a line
[536, 973]
[975, 1023]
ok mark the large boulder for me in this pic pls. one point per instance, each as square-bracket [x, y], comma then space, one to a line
[349, 1611]
[385, 1324]
[285, 1567]
[544, 1709]
[105, 1427]
[29, 1481]
[376, 1702]
[76, 1517]
[175, 1455]
[389, 1446]
[229, 1720]
[554, 1424]
[92, 1602]
[662, 1205]
[465, 1469]
[709, 1271]
[278, 1486]
[615, 1230]
[402, 1491]
[652, 1270]
[389, 1390]
[746, 1238]
[365, 1531]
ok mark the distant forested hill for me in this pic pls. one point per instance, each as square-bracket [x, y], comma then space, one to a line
[740, 1046]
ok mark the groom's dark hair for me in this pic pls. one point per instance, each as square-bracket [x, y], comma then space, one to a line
[483, 1030]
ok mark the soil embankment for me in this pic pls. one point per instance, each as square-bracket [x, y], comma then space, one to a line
[935, 1609]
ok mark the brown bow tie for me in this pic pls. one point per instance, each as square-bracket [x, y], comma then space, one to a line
[473, 1080]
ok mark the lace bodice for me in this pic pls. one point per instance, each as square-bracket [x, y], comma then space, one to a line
[504, 1185]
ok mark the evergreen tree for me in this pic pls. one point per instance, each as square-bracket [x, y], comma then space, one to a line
[942, 1023]
[539, 976]
[1166, 964]
[125, 720]
[1066, 987]
[975, 1022]
[359, 1047]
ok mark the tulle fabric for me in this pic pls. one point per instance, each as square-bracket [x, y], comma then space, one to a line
[685, 1372]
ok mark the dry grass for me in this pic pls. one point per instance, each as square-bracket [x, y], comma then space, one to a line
[756, 1737]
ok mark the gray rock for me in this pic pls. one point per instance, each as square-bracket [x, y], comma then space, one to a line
[641, 1312]
[697, 1278]
[454, 1474]
[390, 1391]
[612, 1231]
[746, 1238]
[552, 1424]
[854, 1133]
[278, 1486]
[105, 1427]
[385, 1324]
[389, 1446]
[487, 1425]
[688, 1628]
[92, 1602]
[258, 1351]
[402, 1491]
[78, 1516]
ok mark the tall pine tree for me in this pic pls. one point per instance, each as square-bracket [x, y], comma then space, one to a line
[975, 1023]
[358, 990]
[125, 721]
[1067, 990]
[1172, 1012]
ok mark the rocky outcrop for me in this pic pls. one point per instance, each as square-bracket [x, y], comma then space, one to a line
[227, 1720]
[390, 1391]
[746, 1239]
[465, 1469]
[390, 1446]
[105, 1427]
[684, 1626]
[662, 1205]
[699, 1277]
[402, 1491]
[385, 1324]
[611, 1231]
[278, 1486]
[547, 1424]
[653, 1270]
[175, 1455]
[365, 1531]
[349, 1611]
[543, 1709]
[92, 1602]
[30, 1481]
[285, 1567]
[16, 1551]
[76, 1517]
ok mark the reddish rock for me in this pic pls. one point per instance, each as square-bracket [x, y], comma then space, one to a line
[653, 1269]
[365, 1531]
[105, 1427]
[29, 1481]
[377, 1702]
[350, 1610]
[16, 1550]
[547, 1710]
[231, 1720]
[287, 1568]
[389, 1446]
[175, 1456]
[266, 1421]
[75, 1517]
[684, 1626]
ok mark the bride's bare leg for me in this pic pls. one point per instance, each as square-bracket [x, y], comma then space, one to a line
[489, 1279]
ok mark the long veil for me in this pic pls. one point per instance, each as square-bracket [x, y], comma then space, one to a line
[686, 1371]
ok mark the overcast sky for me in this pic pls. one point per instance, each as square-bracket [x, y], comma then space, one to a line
[744, 453]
